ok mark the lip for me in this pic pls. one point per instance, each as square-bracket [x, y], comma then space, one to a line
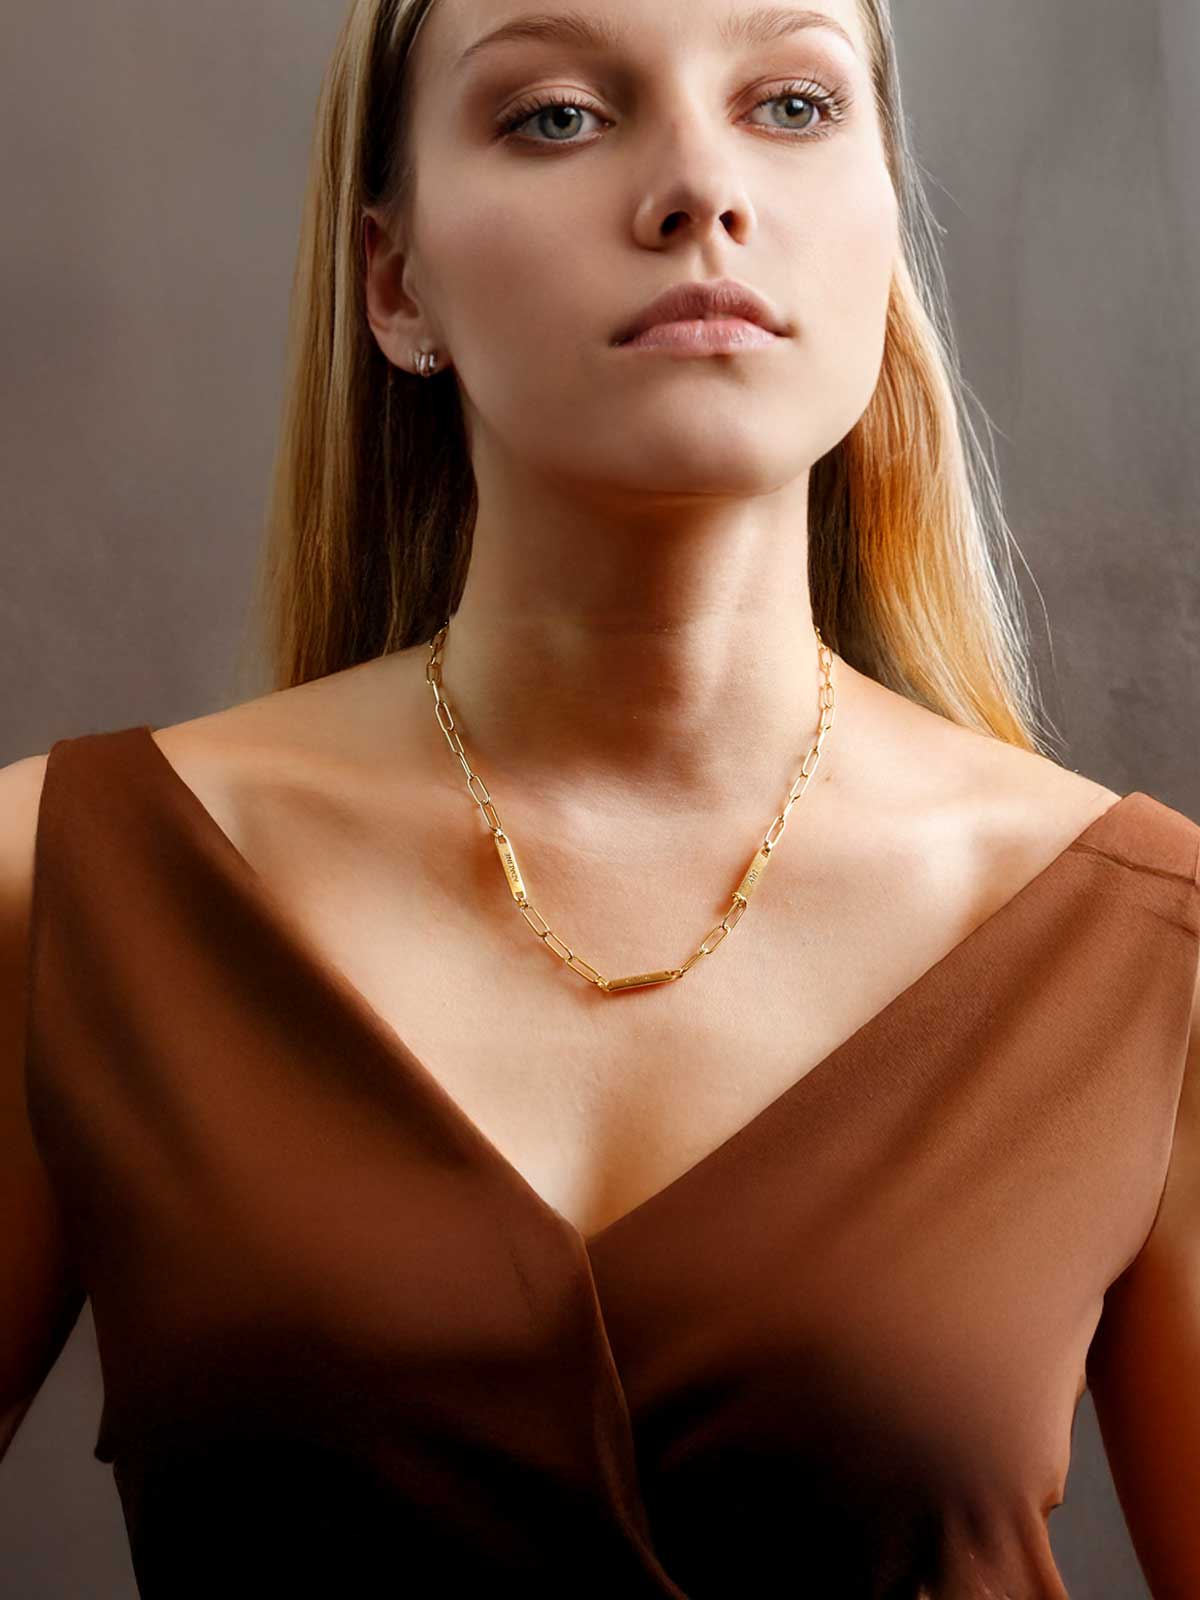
[722, 335]
[711, 300]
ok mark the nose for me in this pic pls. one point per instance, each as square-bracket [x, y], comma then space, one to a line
[694, 191]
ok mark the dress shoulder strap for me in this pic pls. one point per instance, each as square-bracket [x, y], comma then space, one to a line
[1162, 847]
[90, 788]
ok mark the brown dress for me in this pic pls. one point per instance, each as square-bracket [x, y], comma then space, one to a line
[347, 1350]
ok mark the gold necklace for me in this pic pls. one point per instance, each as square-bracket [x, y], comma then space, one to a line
[508, 860]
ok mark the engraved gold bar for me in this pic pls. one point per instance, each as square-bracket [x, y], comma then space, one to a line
[753, 873]
[509, 862]
[642, 980]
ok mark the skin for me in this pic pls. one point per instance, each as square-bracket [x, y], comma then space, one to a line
[643, 519]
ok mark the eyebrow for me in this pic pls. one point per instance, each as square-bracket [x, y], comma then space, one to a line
[594, 33]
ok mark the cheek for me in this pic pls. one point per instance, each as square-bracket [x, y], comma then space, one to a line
[505, 256]
[526, 305]
[843, 289]
[850, 249]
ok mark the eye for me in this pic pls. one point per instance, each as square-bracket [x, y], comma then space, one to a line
[831, 106]
[526, 110]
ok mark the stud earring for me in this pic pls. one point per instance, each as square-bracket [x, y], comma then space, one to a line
[426, 362]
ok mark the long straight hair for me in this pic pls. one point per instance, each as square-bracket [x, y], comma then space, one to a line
[372, 504]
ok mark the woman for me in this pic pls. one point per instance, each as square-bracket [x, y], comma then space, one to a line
[419, 1258]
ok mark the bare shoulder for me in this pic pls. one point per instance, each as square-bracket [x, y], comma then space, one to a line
[20, 796]
[305, 752]
[1021, 808]
[1011, 811]
[966, 764]
[981, 811]
[1031, 794]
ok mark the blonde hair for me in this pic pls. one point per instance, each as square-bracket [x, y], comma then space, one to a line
[373, 502]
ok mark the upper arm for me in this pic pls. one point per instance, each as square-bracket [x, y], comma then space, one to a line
[40, 1298]
[1147, 1396]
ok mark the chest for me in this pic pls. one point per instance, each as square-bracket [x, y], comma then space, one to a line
[600, 1101]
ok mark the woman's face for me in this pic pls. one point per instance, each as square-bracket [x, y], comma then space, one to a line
[678, 147]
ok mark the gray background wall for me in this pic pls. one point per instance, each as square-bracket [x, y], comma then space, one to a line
[153, 158]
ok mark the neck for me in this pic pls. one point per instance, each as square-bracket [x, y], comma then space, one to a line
[661, 664]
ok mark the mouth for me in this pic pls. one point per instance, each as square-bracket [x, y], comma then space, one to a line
[704, 303]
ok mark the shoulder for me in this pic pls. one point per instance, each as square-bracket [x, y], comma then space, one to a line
[288, 757]
[1022, 811]
[942, 765]
[987, 812]
[20, 796]
[1034, 796]
[1162, 842]
[20, 792]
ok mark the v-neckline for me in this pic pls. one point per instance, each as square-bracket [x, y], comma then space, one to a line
[354, 1002]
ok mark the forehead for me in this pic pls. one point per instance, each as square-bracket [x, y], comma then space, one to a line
[461, 33]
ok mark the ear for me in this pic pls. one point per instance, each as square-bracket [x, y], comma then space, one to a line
[397, 321]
